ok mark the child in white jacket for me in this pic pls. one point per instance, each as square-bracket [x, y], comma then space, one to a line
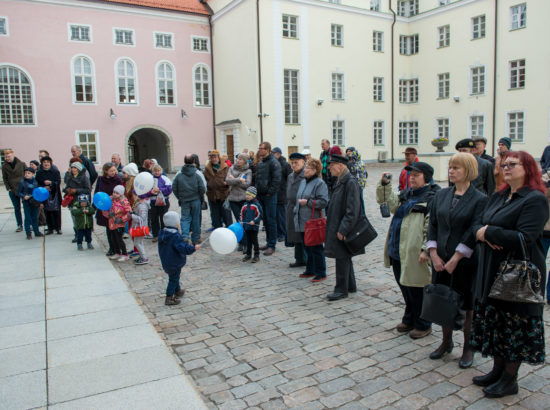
[139, 219]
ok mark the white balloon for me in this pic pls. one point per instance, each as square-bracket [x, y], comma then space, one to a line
[223, 241]
[143, 183]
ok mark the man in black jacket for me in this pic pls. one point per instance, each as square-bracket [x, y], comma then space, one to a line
[480, 151]
[281, 195]
[268, 181]
[76, 151]
[13, 171]
[485, 182]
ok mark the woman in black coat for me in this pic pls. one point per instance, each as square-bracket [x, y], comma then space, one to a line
[451, 243]
[106, 183]
[511, 332]
[343, 214]
[50, 178]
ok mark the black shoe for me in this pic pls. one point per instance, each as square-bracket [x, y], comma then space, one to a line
[19, 228]
[179, 294]
[74, 240]
[247, 258]
[59, 232]
[296, 264]
[281, 239]
[336, 296]
[110, 253]
[171, 301]
[442, 350]
[240, 248]
[263, 248]
[352, 290]
[48, 232]
[467, 359]
[255, 259]
[39, 234]
[29, 236]
[489, 378]
[505, 386]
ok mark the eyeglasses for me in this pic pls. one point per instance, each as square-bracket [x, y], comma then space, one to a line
[510, 165]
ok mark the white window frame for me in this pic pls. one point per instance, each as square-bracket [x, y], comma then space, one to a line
[292, 108]
[479, 27]
[292, 34]
[70, 34]
[164, 33]
[174, 82]
[378, 41]
[378, 89]
[201, 38]
[471, 133]
[343, 131]
[337, 95]
[410, 132]
[442, 127]
[409, 90]
[209, 83]
[407, 8]
[97, 147]
[33, 97]
[515, 16]
[409, 44]
[135, 77]
[375, 5]
[134, 40]
[382, 130]
[508, 128]
[444, 36]
[73, 84]
[336, 35]
[471, 85]
[6, 26]
[445, 84]
[518, 73]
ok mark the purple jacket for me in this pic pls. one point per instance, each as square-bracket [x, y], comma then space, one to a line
[105, 184]
[165, 186]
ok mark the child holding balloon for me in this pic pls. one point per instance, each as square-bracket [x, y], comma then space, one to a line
[83, 210]
[30, 207]
[118, 215]
[251, 215]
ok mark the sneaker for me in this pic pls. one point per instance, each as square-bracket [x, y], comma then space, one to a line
[419, 334]
[39, 234]
[134, 254]
[171, 301]
[29, 236]
[141, 261]
[319, 279]
[114, 256]
[246, 258]
[123, 258]
[255, 259]
[79, 247]
[90, 246]
[48, 232]
[19, 228]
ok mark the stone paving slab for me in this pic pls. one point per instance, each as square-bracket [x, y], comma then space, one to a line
[20, 335]
[23, 391]
[22, 359]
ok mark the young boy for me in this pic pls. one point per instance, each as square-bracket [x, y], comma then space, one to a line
[172, 253]
[140, 218]
[24, 191]
[82, 211]
[118, 215]
[251, 215]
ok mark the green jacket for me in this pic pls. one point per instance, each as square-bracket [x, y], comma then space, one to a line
[81, 219]
[412, 239]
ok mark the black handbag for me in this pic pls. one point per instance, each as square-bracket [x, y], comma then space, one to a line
[442, 305]
[52, 203]
[518, 280]
[363, 233]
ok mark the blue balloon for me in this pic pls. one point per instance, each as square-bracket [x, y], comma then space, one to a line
[40, 194]
[102, 201]
[237, 229]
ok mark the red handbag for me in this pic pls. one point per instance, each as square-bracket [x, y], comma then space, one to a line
[139, 231]
[315, 230]
[67, 200]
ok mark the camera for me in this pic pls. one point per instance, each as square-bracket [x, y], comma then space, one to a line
[388, 177]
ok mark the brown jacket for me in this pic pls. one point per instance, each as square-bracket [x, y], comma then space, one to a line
[12, 176]
[217, 189]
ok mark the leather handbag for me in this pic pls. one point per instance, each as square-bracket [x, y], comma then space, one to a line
[315, 229]
[518, 280]
[67, 200]
[362, 234]
[441, 305]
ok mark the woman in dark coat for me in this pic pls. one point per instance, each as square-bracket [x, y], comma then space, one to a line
[50, 178]
[451, 243]
[106, 183]
[511, 332]
[297, 162]
[343, 214]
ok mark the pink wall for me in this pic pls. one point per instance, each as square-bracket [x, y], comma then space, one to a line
[38, 42]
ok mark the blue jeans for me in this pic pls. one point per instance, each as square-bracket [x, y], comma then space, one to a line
[269, 206]
[31, 218]
[546, 245]
[84, 234]
[16, 202]
[173, 282]
[315, 263]
[191, 219]
[281, 221]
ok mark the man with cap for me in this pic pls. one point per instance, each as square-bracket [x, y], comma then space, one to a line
[485, 181]
[281, 195]
[480, 151]
[297, 163]
[343, 214]
[504, 145]
[405, 176]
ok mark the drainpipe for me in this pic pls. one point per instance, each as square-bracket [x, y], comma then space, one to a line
[495, 78]
[259, 71]
[210, 13]
[392, 80]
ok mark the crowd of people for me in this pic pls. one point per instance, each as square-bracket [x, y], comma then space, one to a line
[456, 236]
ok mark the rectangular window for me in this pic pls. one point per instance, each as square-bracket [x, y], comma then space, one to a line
[291, 96]
[518, 16]
[337, 86]
[338, 133]
[378, 88]
[408, 45]
[163, 40]
[517, 74]
[407, 8]
[476, 126]
[478, 27]
[408, 132]
[516, 122]
[290, 26]
[80, 33]
[88, 142]
[443, 128]
[124, 37]
[478, 80]
[378, 132]
[375, 5]
[200, 44]
[443, 85]
[444, 36]
[3, 26]
[378, 41]
[337, 35]
[408, 91]
[334, 1]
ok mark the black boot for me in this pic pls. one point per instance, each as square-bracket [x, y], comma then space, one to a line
[505, 386]
[489, 378]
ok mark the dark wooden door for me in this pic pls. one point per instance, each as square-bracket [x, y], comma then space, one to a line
[230, 148]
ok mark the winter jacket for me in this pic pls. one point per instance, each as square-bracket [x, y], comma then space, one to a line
[238, 185]
[13, 175]
[141, 214]
[412, 232]
[215, 180]
[286, 170]
[268, 176]
[25, 187]
[545, 159]
[251, 211]
[164, 184]
[316, 190]
[54, 177]
[82, 220]
[173, 250]
[89, 165]
[119, 213]
[357, 168]
[487, 157]
[80, 183]
[293, 183]
[106, 184]
[187, 185]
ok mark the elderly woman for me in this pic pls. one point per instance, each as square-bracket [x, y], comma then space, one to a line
[50, 178]
[511, 332]
[405, 248]
[238, 179]
[451, 243]
[217, 190]
[162, 188]
[297, 162]
[106, 183]
[311, 200]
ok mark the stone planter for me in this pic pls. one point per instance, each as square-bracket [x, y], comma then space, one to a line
[439, 145]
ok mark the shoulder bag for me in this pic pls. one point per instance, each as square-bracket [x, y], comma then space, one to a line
[315, 229]
[363, 233]
[52, 203]
[442, 305]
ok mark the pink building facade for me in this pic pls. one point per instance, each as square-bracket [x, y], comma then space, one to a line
[111, 77]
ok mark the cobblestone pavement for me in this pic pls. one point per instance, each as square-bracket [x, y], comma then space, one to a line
[257, 336]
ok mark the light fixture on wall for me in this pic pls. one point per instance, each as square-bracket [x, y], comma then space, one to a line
[293, 136]
[184, 114]
[112, 114]
[456, 98]
[320, 101]
[266, 115]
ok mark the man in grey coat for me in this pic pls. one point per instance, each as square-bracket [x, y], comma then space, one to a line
[297, 163]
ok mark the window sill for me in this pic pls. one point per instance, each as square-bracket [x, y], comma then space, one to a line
[518, 28]
[294, 124]
[290, 38]
[442, 98]
[516, 88]
[477, 95]
[378, 51]
[338, 100]
[337, 46]
[447, 46]
[478, 38]
[378, 101]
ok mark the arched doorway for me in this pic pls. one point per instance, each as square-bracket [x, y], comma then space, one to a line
[150, 142]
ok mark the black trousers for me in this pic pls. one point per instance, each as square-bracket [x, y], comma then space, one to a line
[252, 240]
[117, 242]
[345, 276]
[156, 214]
[53, 220]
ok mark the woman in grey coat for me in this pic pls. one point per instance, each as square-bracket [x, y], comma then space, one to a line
[239, 178]
[297, 162]
[311, 200]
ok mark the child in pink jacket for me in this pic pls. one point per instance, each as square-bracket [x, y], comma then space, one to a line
[118, 215]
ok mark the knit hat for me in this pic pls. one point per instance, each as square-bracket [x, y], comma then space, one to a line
[506, 141]
[335, 150]
[29, 169]
[252, 191]
[171, 219]
[119, 189]
[77, 165]
[131, 169]
[83, 198]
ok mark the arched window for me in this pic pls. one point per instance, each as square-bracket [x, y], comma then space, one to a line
[126, 82]
[15, 97]
[83, 80]
[202, 86]
[165, 83]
